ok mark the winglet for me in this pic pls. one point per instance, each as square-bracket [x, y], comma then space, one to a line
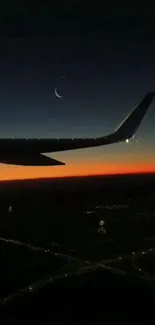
[129, 126]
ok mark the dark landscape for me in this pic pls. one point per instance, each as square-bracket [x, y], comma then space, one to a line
[78, 248]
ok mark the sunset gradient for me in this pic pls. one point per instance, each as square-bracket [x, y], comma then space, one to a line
[13, 173]
[129, 160]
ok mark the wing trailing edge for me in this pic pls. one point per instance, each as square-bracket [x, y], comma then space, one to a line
[29, 160]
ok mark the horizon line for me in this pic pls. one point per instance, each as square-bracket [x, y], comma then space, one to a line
[79, 176]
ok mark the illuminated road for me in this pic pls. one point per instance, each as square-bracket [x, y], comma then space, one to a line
[146, 274]
[74, 266]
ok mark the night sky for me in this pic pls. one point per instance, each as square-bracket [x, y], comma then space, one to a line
[102, 61]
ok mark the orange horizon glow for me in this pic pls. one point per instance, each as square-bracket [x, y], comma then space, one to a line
[73, 170]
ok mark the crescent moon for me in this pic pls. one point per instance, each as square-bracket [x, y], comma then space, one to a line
[56, 93]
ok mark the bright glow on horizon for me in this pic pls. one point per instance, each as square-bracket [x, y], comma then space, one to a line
[76, 169]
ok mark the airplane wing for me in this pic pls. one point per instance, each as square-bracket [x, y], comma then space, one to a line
[30, 152]
[30, 160]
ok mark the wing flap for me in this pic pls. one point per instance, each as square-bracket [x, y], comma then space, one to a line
[29, 160]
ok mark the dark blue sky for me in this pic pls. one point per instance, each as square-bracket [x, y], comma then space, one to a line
[107, 55]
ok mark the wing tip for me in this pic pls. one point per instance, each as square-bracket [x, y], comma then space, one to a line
[150, 95]
[130, 125]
